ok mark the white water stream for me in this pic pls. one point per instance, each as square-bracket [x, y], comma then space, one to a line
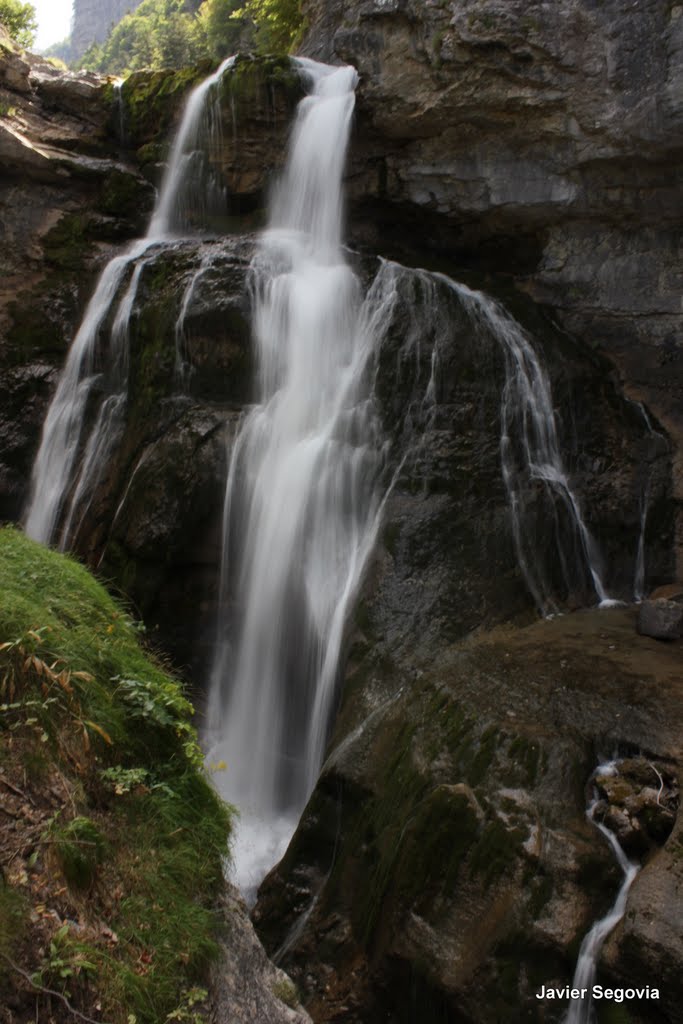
[529, 447]
[69, 464]
[581, 1010]
[303, 500]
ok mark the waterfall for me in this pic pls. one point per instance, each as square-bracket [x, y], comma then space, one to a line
[658, 440]
[529, 447]
[639, 575]
[182, 368]
[581, 1010]
[120, 108]
[95, 364]
[303, 501]
[529, 443]
[190, 190]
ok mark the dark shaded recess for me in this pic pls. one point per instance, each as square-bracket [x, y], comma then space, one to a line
[417, 236]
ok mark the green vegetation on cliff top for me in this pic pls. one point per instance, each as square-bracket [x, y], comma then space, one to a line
[115, 859]
[179, 33]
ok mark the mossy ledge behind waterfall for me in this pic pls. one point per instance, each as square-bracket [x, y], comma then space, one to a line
[114, 852]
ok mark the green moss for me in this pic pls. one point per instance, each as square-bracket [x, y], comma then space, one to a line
[32, 331]
[152, 100]
[286, 991]
[483, 756]
[250, 74]
[436, 841]
[151, 153]
[76, 681]
[121, 194]
[54, 610]
[379, 827]
[14, 910]
[108, 93]
[152, 357]
[67, 245]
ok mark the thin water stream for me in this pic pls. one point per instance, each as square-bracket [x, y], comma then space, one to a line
[581, 1009]
[77, 441]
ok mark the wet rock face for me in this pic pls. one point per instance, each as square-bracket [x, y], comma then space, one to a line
[245, 985]
[152, 521]
[66, 201]
[447, 562]
[638, 802]
[249, 124]
[78, 162]
[444, 867]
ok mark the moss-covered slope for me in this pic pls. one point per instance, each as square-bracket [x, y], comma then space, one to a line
[111, 838]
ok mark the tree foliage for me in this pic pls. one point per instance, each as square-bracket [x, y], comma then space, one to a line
[277, 23]
[20, 21]
[160, 33]
[222, 26]
[176, 33]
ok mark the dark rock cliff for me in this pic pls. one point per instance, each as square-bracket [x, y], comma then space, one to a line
[541, 139]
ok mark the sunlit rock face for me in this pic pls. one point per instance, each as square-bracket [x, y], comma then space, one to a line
[93, 19]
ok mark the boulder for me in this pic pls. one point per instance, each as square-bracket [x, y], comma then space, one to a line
[660, 619]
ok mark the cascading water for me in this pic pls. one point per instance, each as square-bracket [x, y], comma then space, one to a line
[306, 484]
[188, 191]
[657, 441]
[303, 499]
[581, 1009]
[529, 446]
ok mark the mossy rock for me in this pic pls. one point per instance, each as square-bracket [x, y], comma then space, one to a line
[125, 195]
[152, 100]
[68, 245]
